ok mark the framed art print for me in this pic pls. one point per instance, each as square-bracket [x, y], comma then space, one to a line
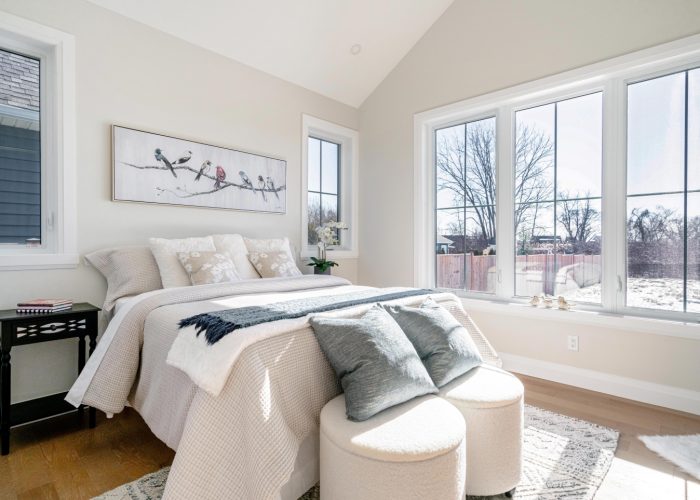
[154, 168]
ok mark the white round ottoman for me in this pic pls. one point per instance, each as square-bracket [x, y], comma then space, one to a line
[491, 401]
[414, 450]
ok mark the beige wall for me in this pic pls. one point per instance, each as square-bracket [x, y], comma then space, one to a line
[132, 75]
[476, 47]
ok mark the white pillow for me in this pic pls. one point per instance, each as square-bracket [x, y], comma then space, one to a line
[233, 246]
[172, 274]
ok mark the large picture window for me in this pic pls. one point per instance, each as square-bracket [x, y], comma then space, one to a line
[465, 159]
[583, 186]
[557, 193]
[663, 192]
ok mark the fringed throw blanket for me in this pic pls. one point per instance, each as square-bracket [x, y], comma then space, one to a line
[218, 324]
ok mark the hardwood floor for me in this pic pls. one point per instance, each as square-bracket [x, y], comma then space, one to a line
[61, 459]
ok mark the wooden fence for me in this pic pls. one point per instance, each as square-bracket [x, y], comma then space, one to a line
[477, 272]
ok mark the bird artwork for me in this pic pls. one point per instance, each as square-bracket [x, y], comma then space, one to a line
[270, 184]
[261, 185]
[161, 157]
[245, 179]
[184, 158]
[220, 176]
[204, 169]
[564, 304]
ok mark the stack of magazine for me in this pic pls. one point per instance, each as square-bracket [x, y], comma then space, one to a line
[44, 306]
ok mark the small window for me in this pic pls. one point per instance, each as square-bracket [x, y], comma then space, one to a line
[663, 193]
[20, 151]
[465, 244]
[558, 193]
[324, 158]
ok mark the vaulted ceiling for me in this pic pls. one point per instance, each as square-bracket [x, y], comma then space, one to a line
[342, 49]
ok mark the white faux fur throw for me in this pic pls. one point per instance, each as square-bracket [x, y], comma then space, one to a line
[683, 450]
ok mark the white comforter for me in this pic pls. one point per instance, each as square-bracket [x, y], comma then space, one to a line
[237, 414]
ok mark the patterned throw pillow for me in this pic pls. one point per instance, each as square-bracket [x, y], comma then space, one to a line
[207, 267]
[274, 264]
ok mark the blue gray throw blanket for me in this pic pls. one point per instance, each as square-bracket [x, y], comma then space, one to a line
[217, 324]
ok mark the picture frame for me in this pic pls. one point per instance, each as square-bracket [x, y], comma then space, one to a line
[153, 168]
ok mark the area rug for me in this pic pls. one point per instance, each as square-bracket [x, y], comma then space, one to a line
[563, 457]
[683, 451]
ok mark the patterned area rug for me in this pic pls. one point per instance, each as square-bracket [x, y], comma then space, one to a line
[563, 458]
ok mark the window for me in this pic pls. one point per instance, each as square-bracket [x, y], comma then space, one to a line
[663, 192]
[37, 149]
[558, 191]
[20, 150]
[589, 188]
[323, 204]
[465, 159]
[329, 184]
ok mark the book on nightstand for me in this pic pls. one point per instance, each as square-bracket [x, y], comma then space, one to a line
[44, 306]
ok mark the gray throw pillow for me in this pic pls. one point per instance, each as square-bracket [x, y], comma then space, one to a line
[443, 344]
[377, 365]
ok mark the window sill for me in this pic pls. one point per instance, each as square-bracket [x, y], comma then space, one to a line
[38, 261]
[638, 324]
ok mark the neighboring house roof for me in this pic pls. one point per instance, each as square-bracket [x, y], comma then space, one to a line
[19, 81]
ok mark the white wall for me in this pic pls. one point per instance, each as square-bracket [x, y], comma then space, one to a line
[132, 75]
[476, 47]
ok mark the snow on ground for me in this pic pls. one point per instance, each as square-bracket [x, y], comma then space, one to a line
[655, 293]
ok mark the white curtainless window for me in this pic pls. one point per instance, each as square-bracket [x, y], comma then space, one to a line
[584, 186]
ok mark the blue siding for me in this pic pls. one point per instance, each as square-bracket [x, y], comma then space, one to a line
[20, 185]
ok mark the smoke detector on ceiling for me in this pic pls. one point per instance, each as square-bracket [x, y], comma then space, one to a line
[356, 49]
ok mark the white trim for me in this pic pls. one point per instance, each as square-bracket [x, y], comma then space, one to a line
[610, 77]
[667, 396]
[349, 141]
[56, 53]
[595, 318]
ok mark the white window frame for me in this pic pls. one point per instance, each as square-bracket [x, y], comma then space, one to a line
[611, 77]
[55, 51]
[349, 141]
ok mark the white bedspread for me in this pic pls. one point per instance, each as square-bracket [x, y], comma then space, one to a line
[245, 442]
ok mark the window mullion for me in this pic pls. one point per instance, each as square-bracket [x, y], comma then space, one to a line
[614, 227]
[505, 231]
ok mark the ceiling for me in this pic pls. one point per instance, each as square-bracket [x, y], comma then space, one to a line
[306, 42]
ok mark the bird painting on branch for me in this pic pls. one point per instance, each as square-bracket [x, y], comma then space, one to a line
[161, 157]
[220, 176]
[261, 186]
[184, 158]
[204, 169]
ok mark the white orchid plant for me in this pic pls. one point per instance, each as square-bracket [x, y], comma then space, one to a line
[327, 239]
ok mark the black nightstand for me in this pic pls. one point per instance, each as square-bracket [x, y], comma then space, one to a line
[22, 329]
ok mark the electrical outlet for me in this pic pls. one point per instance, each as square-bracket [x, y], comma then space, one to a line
[573, 342]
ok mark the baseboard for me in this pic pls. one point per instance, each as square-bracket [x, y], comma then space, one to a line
[667, 396]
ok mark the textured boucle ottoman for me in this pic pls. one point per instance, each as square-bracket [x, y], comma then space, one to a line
[414, 450]
[491, 401]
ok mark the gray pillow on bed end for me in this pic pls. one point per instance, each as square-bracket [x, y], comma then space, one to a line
[377, 365]
[443, 344]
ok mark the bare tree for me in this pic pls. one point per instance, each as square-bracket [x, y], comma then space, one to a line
[578, 217]
[653, 226]
[466, 167]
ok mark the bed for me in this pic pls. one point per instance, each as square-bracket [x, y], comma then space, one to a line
[255, 435]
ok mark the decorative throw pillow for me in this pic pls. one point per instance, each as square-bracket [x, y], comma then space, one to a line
[443, 344]
[172, 273]
[233, 246]
[208, 267]
[274, 264]
[128, 270]
[377, 365]
[263, 245]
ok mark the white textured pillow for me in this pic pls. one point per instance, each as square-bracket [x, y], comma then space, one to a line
[172, 274]
[274, 264]
[128, 270]
[233, 246]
